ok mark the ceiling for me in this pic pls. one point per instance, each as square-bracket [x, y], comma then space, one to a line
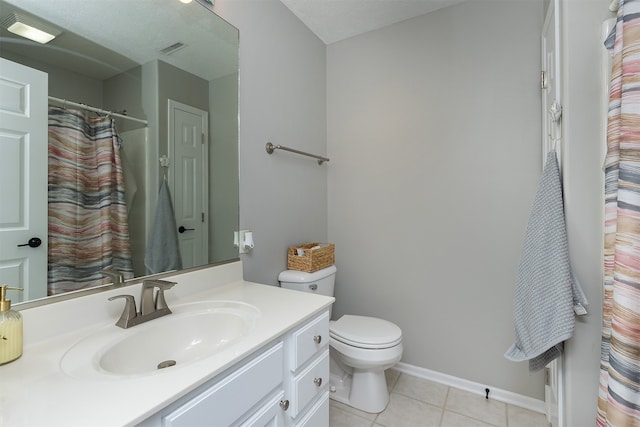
[335, 20]
[124, 41]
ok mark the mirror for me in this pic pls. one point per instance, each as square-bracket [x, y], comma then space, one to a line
[166, 72]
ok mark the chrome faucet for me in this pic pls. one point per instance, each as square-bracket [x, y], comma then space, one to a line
[115, 275]
[149, 309]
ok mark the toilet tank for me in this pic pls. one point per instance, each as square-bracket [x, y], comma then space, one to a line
[321, 282]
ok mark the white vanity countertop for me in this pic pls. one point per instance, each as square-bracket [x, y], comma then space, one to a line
[34, 391]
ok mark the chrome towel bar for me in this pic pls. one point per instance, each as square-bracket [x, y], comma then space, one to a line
[271, 148]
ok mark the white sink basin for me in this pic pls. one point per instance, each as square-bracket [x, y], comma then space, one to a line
[191, 333]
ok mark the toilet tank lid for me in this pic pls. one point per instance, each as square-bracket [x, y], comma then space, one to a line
[295, 276]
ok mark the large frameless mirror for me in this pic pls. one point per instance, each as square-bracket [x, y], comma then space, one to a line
[140, 93]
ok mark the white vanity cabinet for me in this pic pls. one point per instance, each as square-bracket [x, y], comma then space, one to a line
[238, 393]
[284, 384]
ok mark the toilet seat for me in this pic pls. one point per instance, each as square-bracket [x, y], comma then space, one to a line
[365, 332]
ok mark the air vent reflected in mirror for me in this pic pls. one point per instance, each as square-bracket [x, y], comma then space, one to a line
[173, 48]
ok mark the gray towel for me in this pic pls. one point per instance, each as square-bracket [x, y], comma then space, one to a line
[163, 249]
[546, 292]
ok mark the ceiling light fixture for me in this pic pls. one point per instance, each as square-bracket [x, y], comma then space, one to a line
[185, 1]
[30, 28]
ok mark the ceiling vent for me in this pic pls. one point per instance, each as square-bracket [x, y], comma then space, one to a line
[173, 48]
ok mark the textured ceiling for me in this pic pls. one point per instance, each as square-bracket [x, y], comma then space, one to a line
[335, 20]
[135, 32]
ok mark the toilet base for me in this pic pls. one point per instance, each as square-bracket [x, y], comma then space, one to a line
[370, 393]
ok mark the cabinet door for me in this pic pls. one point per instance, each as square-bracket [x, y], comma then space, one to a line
[318, 415]
[270, 415]
[230, 398]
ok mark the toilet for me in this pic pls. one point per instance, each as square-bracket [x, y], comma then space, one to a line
[361, 347]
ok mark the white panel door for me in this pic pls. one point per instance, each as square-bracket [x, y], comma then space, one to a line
[552, 130]
[550, 80]
[188, 149]
[23, 179]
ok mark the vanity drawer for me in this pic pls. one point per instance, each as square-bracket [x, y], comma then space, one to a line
[308, 340]
[230, 398]
[309, 383]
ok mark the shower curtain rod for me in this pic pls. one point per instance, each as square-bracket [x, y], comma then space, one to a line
[96, 110]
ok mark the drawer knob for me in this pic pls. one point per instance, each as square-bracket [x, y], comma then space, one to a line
[318, 381]
[284, 404]
[317, 339]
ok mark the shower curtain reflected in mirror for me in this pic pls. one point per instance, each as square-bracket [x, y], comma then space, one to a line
[88, 229]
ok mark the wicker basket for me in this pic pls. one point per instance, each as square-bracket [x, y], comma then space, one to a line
[313, 259]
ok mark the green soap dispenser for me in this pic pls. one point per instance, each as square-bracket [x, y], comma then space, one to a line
[10, 328]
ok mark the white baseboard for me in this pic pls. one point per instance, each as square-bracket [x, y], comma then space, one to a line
[495, 393]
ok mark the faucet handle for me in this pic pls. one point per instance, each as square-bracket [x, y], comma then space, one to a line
[161, 303]
[129, 312]
[113, 274]
[147, 304]
[162, 285]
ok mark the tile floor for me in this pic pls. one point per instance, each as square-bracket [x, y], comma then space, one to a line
[416, 402]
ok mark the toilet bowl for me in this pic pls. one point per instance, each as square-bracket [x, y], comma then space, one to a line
[361, 347]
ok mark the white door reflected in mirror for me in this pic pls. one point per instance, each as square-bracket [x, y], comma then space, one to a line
[23, 175]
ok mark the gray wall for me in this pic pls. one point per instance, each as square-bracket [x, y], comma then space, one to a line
[223, 164]
[282, 197]
[63, 83]
[124, 92]
[434, 125]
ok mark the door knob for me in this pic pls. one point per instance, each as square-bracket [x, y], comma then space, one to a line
[182, 229]
[33, 242]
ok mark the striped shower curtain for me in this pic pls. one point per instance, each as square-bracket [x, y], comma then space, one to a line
[619, 391]
[88, 229]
